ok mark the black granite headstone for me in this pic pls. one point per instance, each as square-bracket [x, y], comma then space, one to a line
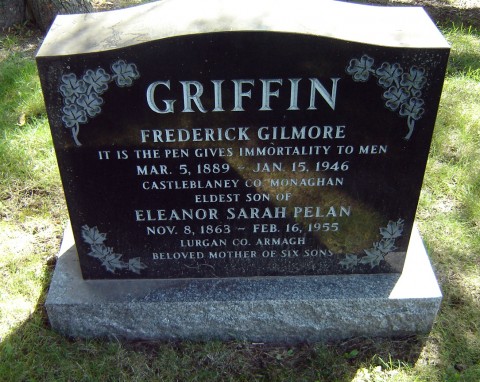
[242, 153]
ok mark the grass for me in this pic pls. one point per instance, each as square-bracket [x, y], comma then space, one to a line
[449, 211]
[33, 215]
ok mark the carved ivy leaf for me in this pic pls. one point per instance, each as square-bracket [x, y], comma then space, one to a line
[90, 103]
[97, 80]
[393, 229]
[385, 246]
[135, 265]
[72, 86]
[360, 69]
[100, 251]
[124, 73]
[373, 258]
[112, 262]
[92, 235]
[350, 262]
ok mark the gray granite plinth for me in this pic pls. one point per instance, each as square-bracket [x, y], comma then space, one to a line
[283, 309]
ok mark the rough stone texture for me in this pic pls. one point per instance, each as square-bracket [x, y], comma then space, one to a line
[288, 309]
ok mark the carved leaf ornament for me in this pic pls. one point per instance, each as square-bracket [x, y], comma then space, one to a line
[403, 89]
[82, 100]
[375, 255]
[81, 96]
[110, 260]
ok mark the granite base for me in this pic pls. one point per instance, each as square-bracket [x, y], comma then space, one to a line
[278, 309]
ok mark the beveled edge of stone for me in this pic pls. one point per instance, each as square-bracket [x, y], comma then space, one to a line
[377, 25]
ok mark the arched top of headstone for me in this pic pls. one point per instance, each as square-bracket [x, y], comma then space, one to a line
[384, 26]
[257, 138]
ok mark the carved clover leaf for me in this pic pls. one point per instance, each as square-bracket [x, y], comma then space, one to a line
[389, 74]
[81, 97]
[90, 103]
[360, 69]
[414, 79]
[403, 87]
[415, 93]
[112, 262]
[72, 87]
[97, 80]
[73, 115]
[124, 73]
[135, 265]
[92, 235]
[413, 109]
[373, 258]
[395, 97]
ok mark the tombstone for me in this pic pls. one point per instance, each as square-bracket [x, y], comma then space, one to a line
[247, 172]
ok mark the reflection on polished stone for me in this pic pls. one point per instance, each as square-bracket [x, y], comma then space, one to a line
[276, 146]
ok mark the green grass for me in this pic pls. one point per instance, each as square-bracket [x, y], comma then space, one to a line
[449, 211]
[31, 203]
[33, 214]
